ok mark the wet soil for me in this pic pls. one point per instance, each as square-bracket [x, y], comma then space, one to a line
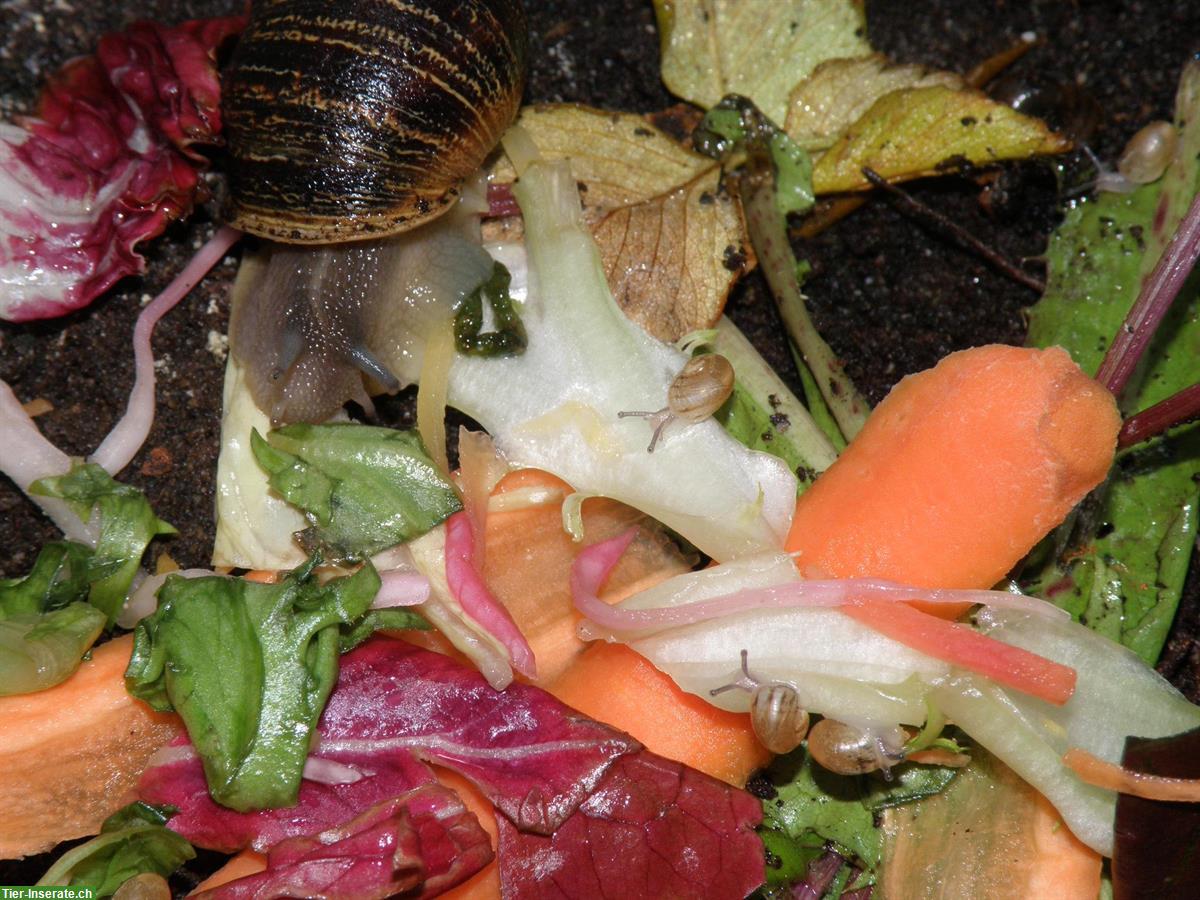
[892, 296]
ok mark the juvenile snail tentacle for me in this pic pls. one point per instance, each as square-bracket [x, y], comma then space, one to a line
[698, 391]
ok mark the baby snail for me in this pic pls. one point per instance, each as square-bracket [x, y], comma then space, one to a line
[847, 750]
[780, 723]
[698, 391]
[147, 886]
[1143, 160]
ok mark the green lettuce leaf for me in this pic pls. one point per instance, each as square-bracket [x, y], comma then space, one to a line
[132, 840]
[127, 525]
[59, 577]
[1125, 574]
[814, 806]
[362, 488]
[248, 667]
[40, 650]
[45, 624]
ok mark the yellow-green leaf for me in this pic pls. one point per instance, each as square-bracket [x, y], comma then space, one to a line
[671, 241]
[920, 131]
[761, 50]
[839, 91]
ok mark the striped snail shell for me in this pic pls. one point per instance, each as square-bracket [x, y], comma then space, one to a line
[355, 119]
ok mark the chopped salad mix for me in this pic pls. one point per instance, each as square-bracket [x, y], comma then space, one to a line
[515, 676]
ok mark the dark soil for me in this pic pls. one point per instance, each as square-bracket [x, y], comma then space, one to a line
[890, 295]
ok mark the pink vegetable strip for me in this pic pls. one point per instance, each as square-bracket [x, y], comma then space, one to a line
[962, 646]
[122, 443]
[107, 164]
[472, 593]
[885, 611]
[595, 562]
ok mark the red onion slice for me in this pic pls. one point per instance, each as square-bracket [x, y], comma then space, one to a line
[594, 563]
[476, 600]
[127, 436]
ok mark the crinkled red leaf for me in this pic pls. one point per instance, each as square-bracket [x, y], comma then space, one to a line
[535, 758]
[582, 803]
[108, 163]
[382, 852]
[176, 778]
[652, 828]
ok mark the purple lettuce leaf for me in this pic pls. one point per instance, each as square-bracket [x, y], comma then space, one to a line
[652, 828]
[533, 757]
[423, 839]
[578, 800]
[108, 162]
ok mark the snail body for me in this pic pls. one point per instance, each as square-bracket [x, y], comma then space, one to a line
[349, 124]
[697, 392]
[361, 118]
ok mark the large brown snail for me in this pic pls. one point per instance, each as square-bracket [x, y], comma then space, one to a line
[349, 124]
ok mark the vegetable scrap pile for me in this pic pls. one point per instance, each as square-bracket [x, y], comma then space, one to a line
[821, 832]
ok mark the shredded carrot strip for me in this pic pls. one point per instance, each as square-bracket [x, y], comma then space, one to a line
[1110, 776]
[962, 646]
[262, 576]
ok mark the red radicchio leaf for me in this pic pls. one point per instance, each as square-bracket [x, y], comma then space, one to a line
[380, 853]
[652, 828]
[571, 790]
[108, 163]
[1157, 841]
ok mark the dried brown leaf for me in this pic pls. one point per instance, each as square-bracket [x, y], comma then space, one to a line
[671, 241]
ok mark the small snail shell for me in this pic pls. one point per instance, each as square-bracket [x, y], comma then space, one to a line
[700, 387]
[360, 118]
[780, 722]
[1148, 153]
[146, 886]
[847, 750]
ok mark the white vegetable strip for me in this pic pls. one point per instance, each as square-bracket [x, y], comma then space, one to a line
[555, 406]
[128, 435]
[401, 589]
[26, 456]
[593, 564]
[327, 771]
[143, 596]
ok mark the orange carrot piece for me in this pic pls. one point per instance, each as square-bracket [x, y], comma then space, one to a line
[962, 646]
[959, 471]
[70, 756]
[246, 863]
[988, 835]
[1112, 777]
[615, 684]
[262, 576]
[529, 557]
